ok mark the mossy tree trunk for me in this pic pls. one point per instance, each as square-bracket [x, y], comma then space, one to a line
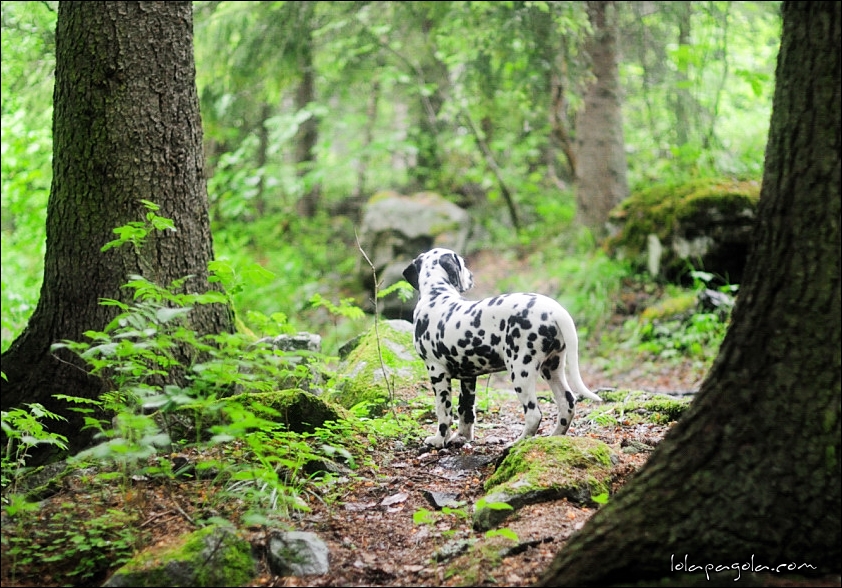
[752, 471]
[126, 127]
[601, 157]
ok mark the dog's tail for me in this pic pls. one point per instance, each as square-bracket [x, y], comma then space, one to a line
[571, 339]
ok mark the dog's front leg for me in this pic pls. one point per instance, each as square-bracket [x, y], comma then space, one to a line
[444, 407]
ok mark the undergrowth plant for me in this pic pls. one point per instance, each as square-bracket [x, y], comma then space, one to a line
[24, 429]
[693, 333]
[169, 392]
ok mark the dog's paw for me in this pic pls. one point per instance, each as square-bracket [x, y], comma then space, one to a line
[466, 431]
[436, 441]
[457, 441]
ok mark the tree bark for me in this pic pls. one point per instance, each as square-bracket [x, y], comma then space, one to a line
[752, 472]
[601, 157]
[307, 136]
[126, 127]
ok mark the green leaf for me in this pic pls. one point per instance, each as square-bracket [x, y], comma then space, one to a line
[483, 503]
[166, 314]
[504, 532]
[600, 498]
[423, 517]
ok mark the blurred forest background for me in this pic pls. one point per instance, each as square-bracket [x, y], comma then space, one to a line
[310, 108]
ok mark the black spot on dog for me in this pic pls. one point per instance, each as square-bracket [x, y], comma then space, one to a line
[571, 400]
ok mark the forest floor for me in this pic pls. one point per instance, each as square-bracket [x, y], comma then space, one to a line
[369, 519]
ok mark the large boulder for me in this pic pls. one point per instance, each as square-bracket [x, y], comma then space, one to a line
[396, 228]
[702, 225]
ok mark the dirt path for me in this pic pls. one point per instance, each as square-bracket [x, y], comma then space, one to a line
[375, 541]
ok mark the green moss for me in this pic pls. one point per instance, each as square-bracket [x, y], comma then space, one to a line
[670, 307]
[638, 406]
[362, 378]
[660, 209]
[383, 195]
[548, 462]
[211, 556]
[300, 411]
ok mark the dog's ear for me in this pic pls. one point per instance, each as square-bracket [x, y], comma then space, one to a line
[410, 274]
[453, 267]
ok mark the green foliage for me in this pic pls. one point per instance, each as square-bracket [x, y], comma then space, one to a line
[167, 386]
[423, 516]
[28, 50]
[135, 232]
[464, 85]
[687, 332]
[77, 543]
[24, 429]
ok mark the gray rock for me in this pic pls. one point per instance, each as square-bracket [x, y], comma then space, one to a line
[296, 349]
[300, 342]
[396, 228]
[439, 500]
[297, 553]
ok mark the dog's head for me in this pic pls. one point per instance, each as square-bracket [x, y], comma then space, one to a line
[439, 265]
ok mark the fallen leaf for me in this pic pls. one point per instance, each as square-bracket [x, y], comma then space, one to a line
[394, 499]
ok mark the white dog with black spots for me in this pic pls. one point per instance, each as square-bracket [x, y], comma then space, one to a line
[524, 334]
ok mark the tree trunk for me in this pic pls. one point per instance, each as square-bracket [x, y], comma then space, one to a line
[126, 127]
[682, 100]
[752, 472]
[601, 157]
[305, 139]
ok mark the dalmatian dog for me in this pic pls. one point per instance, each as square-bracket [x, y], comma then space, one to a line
[524, 334]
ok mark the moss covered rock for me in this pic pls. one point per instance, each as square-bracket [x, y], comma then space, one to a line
[298, 410]
[211, 556]
[364, 380]
[704, 225]
[633, 406]
[545, 468]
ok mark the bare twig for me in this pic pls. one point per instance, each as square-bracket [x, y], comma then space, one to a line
[377, 328]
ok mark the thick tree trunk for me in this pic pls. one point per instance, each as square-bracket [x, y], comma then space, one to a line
[601, 157]
[126, 127]
[752, 472]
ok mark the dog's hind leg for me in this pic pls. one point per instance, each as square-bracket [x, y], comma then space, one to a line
[564, 399]
[553, 373]
[524, 384]
[440, 380]
[467, 416]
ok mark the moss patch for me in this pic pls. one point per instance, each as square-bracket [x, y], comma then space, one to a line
[670, 209]
[638, 406]
[300, 411]
[545, 461]
[211, 556]
[361, 377]
[546, 468]
[670, 307]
